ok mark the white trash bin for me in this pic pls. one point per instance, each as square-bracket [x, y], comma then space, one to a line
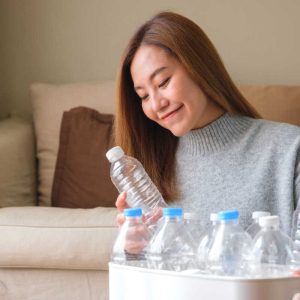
[132, 283]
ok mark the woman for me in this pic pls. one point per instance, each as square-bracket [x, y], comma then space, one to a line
[201, 142]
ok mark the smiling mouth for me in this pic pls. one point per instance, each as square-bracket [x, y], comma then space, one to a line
[171, 113]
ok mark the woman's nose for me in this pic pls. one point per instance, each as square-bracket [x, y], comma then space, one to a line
[158, 102]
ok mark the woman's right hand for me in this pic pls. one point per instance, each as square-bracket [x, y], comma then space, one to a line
[121, 205]
[137, 238]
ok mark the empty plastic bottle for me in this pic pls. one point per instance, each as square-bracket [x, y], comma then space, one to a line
[205, 242]
[193, 226]
[171, 247]
[133, 238]
[128, 174]
[272, 249]
[230, 250]
[254, 228]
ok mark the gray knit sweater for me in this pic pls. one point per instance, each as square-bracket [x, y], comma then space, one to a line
[240, 163]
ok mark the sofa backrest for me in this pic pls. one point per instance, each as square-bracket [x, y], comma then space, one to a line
[275, 102]
[278, 103]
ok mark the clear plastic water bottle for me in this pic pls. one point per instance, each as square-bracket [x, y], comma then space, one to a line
[230, 250]
[128, 175]
[193, 226]
[133, 239]
[254, 228]
[205, 242]
[272, 249]
[171, 247]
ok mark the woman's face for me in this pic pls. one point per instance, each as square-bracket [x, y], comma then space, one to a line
[169, 96]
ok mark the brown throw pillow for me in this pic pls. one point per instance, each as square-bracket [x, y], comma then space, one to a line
[81, 178]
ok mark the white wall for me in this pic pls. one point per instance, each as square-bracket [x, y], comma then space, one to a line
[60, 41]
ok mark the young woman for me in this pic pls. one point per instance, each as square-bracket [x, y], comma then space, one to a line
[201, 142]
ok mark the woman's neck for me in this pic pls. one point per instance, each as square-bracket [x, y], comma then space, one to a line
[212, 113]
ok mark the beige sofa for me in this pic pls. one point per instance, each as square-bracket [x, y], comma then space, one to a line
[61, 253]
[49, 252]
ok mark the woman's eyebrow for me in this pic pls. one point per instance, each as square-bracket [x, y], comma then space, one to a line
[154, 73]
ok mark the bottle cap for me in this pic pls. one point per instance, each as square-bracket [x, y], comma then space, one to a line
[228, 215]
[268, 221]
[132, 212]
[258, 214]
[114, 153]
[213, 217]
[190, 216]
[172, 212]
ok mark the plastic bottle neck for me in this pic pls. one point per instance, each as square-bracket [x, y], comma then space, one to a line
[119, 159]
[229, 222]
[270, 228]
[173, 219]
[134, 219]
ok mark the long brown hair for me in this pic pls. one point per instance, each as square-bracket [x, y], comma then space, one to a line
[144, 139]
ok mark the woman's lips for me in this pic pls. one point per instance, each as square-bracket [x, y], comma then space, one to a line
[166, 116]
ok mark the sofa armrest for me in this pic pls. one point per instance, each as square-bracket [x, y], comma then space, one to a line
[57, 238]
[17, 163]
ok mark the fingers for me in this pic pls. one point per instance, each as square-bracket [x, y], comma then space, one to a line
[296, 273]
[134, 247]
[121, 202]
[137, 239]
[120, 219]
[138, 233]
[154, 217]
[121, 205]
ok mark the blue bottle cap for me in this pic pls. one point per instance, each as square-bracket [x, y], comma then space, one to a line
[132, 212]
[172, 212]
[228, 215]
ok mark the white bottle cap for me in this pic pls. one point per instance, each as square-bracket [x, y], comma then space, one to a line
[114, 153]
[258, 214]
[190, 216]
[213, 217]
[268, 221]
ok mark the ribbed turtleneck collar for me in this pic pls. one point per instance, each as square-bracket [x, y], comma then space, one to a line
[215, 136]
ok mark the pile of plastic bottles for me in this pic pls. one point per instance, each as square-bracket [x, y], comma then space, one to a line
[226, 249]
[177, 242]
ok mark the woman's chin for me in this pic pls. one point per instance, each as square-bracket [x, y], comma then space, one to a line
[178, 131]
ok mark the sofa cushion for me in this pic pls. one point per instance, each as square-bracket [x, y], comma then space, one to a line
[48, 104]
[81, 178]
[52, 237]
[17, 161]
[53, 284]
[275, 102]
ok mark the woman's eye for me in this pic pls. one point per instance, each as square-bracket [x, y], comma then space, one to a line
[164, 83]
[144, 97]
